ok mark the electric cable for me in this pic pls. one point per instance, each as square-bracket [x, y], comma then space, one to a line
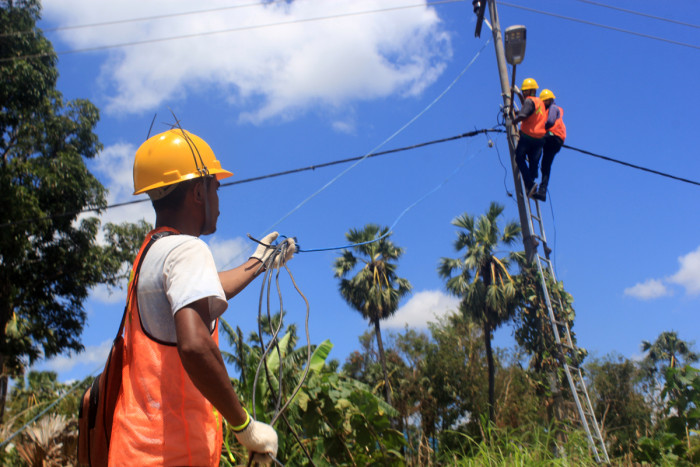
[141, 19]
[391, 137]
[396, 221]
[341, 161]
[628, 164]
[351, 159]
[554, 226]
[639, 13]
[271, 263]
[590, 23]
[222, 31]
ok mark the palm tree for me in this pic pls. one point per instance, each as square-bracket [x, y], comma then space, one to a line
[481, 279]
[375, 290]
[667, 348]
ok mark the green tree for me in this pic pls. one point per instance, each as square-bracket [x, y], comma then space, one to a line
[481, 279]
[456, 367]
[620, 408]
[375, 290]
[49, 255]
[667, 351]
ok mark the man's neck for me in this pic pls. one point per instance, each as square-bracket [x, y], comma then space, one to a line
[183, 224]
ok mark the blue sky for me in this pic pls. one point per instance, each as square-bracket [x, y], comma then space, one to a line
[292, 84]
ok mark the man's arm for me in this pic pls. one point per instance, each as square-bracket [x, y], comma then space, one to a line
[236, 279]
[527, 110]
[552, 116]
[203, 363]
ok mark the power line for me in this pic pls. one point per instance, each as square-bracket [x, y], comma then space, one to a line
[226, 31]
[392, 136]
[351, 159]
[639, 13]
[141, 19]
[264, 177]
[590, 23]
[627, 164]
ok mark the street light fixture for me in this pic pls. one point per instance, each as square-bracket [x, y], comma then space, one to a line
[515, 44]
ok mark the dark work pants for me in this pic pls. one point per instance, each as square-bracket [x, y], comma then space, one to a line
[532, 148]
[552, 145]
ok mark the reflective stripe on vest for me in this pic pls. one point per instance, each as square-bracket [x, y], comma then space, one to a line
[559, 129]
[161, 418]
[534, 124]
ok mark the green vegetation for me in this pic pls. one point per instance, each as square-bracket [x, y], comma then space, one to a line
[375, 290]
[441, 397]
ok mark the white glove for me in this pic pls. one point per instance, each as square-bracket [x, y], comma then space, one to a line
[263, 251]
[259, 439]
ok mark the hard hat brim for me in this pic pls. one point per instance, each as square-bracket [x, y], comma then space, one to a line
[218, 172]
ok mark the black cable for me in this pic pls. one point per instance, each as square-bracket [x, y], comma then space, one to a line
[262, 177]
[351, 159]
[554, 226]
[639, 13]
[610, 159]
[590, 23]
[222, 31]
[342, 161]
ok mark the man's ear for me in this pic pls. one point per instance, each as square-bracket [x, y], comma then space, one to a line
[198, 192]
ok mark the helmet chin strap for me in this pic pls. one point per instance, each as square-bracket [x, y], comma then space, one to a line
[207, 227]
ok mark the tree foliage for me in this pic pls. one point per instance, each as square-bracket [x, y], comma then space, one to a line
[375, 290]
[481, 279]
[332, 419]
[49, 254]
[624, 416]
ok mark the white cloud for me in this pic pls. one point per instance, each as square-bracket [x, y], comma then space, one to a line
[422, 307]
[114, 167]
[687, 276]
[229, 253]
[274, 71]
[104, 294]
[652, 288]
[689, 273]
[92, 355]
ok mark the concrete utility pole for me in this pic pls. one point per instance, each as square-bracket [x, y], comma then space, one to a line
[529, 242]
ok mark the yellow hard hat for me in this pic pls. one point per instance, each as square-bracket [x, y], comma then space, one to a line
[529, 83]
[172, 157]
[546, 94]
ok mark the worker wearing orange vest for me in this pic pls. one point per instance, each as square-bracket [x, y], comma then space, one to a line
[553, 139]
[175, 387]
[533, 117]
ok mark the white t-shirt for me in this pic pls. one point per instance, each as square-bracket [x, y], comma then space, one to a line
[177, 270]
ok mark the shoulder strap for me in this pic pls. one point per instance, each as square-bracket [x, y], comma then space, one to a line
[137, 268]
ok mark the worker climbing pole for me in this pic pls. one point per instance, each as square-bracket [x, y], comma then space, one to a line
[568, 353]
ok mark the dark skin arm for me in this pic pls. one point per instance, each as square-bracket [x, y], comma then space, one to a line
[203, 363]
[236, 279]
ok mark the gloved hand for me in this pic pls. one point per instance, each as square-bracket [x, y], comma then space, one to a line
[263, 252]
[259, 439]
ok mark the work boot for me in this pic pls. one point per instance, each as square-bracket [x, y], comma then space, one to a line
[541, 194]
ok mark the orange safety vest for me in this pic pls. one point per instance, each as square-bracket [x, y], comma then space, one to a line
[559, 129]
[161, 418]
[534, 124]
